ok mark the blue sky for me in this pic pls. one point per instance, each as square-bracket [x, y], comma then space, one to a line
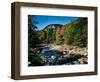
[43, 21]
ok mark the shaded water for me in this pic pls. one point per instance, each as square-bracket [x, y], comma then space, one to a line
[56, 57]
[50, 55]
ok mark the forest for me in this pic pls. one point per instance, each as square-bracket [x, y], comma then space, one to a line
[57, 44]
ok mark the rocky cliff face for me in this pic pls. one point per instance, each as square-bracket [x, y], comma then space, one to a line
[53, 26]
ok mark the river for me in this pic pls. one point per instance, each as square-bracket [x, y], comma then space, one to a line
[52, 56]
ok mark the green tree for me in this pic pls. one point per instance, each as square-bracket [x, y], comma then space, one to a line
[34, 57]
[33, 40]
[81, 36]
[59, 36]
[68, 34]
[75, 33]
[54, 35]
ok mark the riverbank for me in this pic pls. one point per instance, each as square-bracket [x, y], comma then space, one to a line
[70, 49]
[65, 55]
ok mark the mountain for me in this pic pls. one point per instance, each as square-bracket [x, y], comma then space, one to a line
[73, 33]
[53, 26]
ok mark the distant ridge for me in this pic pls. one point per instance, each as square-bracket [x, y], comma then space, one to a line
[53, 26]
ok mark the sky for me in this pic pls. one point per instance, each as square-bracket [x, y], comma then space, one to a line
[43, 21]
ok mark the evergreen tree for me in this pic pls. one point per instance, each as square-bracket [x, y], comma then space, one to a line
[59, 36]
[33, 55]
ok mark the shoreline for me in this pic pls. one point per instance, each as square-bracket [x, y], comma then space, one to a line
[70, 49]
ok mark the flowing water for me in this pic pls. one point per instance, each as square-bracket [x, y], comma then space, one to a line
[55, 57]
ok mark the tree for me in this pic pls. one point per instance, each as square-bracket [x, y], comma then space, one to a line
[42, 36]
[34, 57]
[75, 33]
[69, 34]
[59, 36]
[54, 35]
[80, 32]
[33, 40]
